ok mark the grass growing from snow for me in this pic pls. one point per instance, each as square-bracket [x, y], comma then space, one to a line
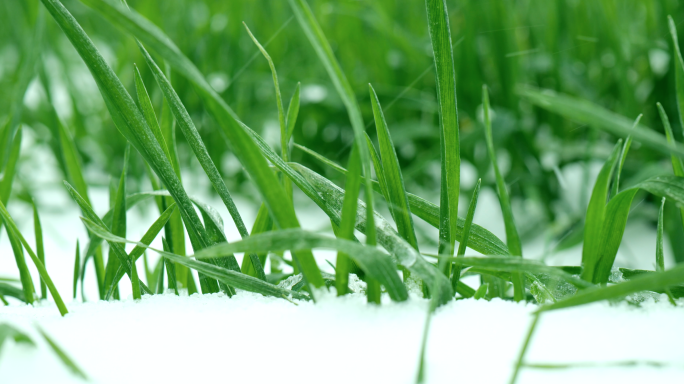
[394, 257]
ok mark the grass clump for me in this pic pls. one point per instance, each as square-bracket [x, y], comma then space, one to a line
[392, 256]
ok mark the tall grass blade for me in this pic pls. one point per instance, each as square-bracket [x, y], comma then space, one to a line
[679, 70]
[440, 36]
[585, 112]
[512, 237]
[398, 200]
[593, 222]
[148, 112]
[40, 247]
[243, 146]
[118, 222]
[676, 161]
[12, 227]
[343, 265]
[24, 273]
[456, 275]
[293, 112]
[10, 167]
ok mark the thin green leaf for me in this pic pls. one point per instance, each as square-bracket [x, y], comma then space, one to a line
[660, 257]
[440, 36]
[512, 237]
[11, 167]
[292, 112]
[40, 247]
[676, 161]
[456, 275]
[12, 227]
[594, 220]
[348, 220]
[148, 111]
[398, 200]
[585, 112]
[679, 70]
[118, 222]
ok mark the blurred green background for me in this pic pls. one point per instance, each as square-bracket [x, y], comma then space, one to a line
[616, 53]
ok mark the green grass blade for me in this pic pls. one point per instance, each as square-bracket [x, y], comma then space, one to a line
[40, 247]
[593, 222]
[377, 165]
[171, 271]
[77, 264]
[118, 221]
[10, 167]
[398, 200]
[647, 282]
[115, 248]
[348, 220]
[24, 273]
[456, 274]
[293, 112]
[12, 227]
[679, 70]
[440, 36]
[253, 265]
[660, 256]
[66, 360]
[585, 112]
[676, 161]
[126, 115]
[512, 237]
[232, 278]
[148, 112]
[610, 237]
[481, 240]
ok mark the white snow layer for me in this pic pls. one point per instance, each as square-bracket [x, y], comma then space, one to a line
[250, 338]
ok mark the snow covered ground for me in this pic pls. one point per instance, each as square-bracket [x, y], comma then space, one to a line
[255, 339]
[250, 338]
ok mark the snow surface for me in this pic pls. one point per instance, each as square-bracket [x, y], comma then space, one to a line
[249, 338]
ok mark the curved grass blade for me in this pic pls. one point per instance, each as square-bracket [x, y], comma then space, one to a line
[126, 115]
[374, 263]
[456, 275]
[12, 227]
[440, 36]
[292, 112]
[232, 278]
[595, 217]
[397, 198]
[647, 282]
[512, 237]
[676, 161]
[481, 240]
[585, 112]
[7, 331]
[253, 265]
[24, 273]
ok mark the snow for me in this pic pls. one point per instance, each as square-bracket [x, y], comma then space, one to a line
[250, 338]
